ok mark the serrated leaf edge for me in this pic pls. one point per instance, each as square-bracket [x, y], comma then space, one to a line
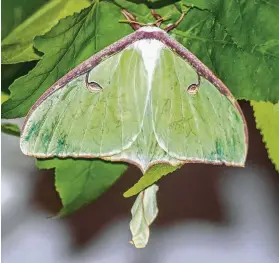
[261, 132]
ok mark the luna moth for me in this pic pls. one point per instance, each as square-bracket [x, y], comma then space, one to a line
[145, 99]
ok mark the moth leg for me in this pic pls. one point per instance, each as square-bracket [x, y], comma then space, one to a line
[170, 27]
[130, 19]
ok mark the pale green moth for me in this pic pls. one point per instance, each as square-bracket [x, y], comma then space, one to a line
[144, 212]
[145, 99]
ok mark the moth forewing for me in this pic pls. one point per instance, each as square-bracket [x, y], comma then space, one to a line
[145, 99]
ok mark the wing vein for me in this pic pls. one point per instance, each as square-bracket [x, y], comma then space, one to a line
[119, 86]
[182, 104]
[134, 86]
[43, 124]
[87, 123]
[217, 115]
[196, 124]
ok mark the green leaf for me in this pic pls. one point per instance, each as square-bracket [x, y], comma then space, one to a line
[10, 72]
[4, 97]
[72, 40]
[242, 44]
[18, 45]
[142, 10]
[15, 12]
[150, 177]
[10, 128]
[267, 116]
[79, 182]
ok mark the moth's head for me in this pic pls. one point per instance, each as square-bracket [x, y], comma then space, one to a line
[151, 28]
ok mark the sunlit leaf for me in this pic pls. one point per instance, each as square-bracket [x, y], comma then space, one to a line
[267, 119]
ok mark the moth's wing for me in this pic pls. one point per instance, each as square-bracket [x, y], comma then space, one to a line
[145, 151]
[202, 127]
[144, 212]
[74, 121]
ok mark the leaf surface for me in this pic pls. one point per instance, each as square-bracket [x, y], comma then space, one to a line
[4, 97]
[243, 47]
[15, 12]
[11, 129]
[267, 116]
[18, 45]
[79, 182]
[10, 72]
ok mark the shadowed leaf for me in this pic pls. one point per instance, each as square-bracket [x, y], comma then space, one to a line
[79, 182]
[11, 129]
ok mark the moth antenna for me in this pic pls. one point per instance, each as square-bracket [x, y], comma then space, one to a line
[130, 19]
[133, 22]
[170, 27]
[128, 15]
[158, 18]
[155, 15]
